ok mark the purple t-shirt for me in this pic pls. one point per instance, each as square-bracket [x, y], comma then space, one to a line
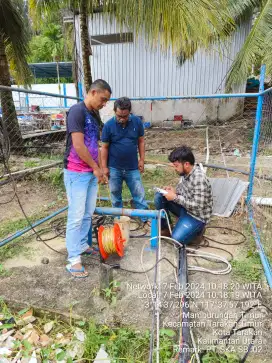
[80, 119]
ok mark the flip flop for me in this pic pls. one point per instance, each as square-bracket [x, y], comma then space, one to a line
[76, 270]
[93, 252]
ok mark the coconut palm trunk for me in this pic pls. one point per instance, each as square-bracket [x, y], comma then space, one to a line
[85, 45]
[9, 116]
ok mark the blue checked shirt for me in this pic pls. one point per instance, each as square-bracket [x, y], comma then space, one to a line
[194, 193]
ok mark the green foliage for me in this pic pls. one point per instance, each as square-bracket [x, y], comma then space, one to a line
[14, 33]
[110, 292]
[257, 47]
[48, 46]
[214, 357]
[4, 273]
[248, 269]
[30, 164]
[125, 344]
[53, 177]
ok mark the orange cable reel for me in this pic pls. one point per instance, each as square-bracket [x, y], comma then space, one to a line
[110, 240]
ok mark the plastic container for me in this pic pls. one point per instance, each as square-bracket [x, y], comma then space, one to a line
[102, 356]
[147, 125]
[124, 224]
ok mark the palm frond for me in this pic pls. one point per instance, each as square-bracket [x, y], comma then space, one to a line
[242, 10]
[267, 59]
[181, 24]
[254, 46]
[15, 36]
[40, 8]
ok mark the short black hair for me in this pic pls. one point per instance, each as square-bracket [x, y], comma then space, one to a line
[182, 154]
[101, 85]
[123, 103]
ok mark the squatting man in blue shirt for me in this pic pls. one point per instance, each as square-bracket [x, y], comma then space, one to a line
[191, 201]
[122, 138]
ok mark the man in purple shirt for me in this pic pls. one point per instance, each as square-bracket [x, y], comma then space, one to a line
[82, 172]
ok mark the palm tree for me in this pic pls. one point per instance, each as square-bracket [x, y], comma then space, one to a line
[13, 49]
[189, 25]
[84, 7]
[184, 25]
[258, 45]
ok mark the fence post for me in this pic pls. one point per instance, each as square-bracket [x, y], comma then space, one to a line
[256, 135]
[80, 91]
[65, 94]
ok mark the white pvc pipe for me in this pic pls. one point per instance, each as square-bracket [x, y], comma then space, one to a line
[262, 201]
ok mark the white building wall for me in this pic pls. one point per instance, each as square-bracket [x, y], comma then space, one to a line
[134, 70]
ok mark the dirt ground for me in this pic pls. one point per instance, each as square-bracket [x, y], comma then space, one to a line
[216, 300]
[49, 286]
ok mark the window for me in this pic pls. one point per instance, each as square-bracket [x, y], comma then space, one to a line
[112, 38]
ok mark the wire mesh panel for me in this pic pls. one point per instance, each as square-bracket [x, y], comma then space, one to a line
[32, 125]
[262, 192]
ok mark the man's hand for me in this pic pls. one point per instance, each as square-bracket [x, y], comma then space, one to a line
[99, 174]
[106, 171]
[169, 189]
[141, 165]
[171, 195]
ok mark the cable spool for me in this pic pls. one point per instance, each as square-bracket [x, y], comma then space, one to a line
[110, 241]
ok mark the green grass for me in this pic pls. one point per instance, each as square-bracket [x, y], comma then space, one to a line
[158, 177]
[18, 246]
[248, 268]
[126, 344]
[122, 344]
[157, 157]
[14, 248]
[11, 226]
[213, 357]
[4, 272]
[53, 177]
[30, 164]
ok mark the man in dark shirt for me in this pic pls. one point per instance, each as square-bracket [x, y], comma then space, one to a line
[82, 172]
[122, 137]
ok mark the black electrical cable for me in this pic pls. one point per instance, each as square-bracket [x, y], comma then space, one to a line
[228, 229]
[206, 240]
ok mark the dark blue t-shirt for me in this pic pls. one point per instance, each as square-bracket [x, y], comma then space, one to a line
[123, 142]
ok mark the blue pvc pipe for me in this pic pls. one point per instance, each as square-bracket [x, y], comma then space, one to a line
[98, 210]
[154, 233]
[65, 94]
[35, 224]
[263, 257]
[222, 95]
[127, 212]
[266, 91]
[162, 98]
[5, 88]
[256, 135]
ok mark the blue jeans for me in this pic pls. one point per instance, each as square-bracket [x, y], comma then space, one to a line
[187, 227]
[81, 189]
[134, 183]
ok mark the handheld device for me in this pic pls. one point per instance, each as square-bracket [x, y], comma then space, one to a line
[162, 191]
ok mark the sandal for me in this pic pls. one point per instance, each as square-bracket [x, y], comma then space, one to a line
[91, 251]
[74, 271]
